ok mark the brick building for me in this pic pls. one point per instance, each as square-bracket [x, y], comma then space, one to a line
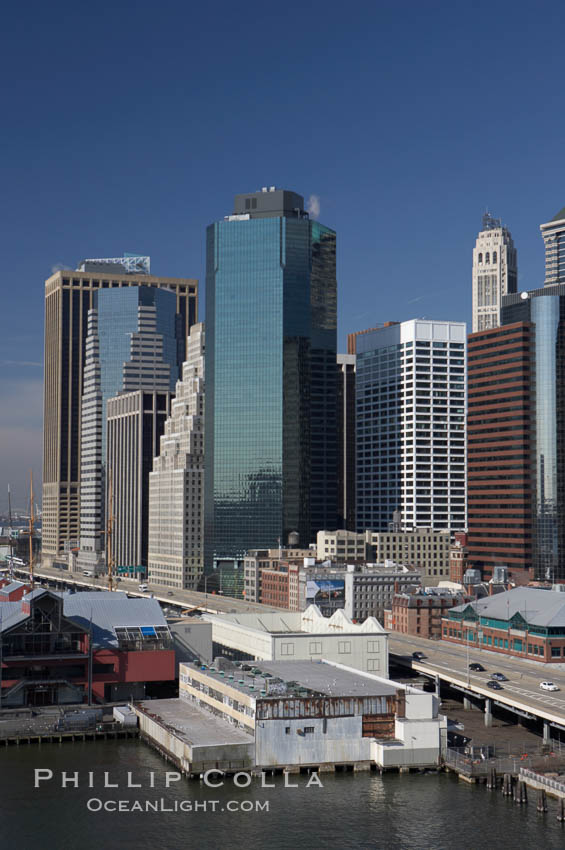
[499, 451]
[458, 555]
[420, 613]
[526, 622]
[280, 586]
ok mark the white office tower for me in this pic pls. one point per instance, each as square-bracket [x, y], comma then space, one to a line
[176, 485]
[91, 555]
[553, 233]
[495, 272]
[410, 426]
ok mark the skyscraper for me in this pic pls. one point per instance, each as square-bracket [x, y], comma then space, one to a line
[545, 310]
[554, 239]
[346, 441]
[500, 444]
[410, 425]
[495, 272]
[176, 484]
[271, 296]
[136, 422]
[68, 298]
[135, 341]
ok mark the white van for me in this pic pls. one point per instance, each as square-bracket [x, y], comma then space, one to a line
[87, 573]
[143, 587]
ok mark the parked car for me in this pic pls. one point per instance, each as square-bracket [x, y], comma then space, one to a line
[476, 667]
[418, 656]
[548, 686]
[500, 677]
[496, 686]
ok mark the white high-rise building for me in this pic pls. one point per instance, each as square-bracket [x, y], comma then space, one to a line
[553, 233]
[495, 272]
[411, 410]
[176, 485]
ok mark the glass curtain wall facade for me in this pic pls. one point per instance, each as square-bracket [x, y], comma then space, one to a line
[271, 443]
[135, 341]
[68, 299]
[545, 308]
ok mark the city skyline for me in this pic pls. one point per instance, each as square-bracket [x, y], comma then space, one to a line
[409, 141]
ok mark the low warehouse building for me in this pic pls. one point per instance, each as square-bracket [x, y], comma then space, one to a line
[301, 636]
[318, 714]
[195, 740]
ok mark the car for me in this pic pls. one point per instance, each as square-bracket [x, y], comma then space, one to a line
[476, 667]
[548, 686]
[500, 677]
[143, 587]
[170, 593]
[418, 656]
[496, 686]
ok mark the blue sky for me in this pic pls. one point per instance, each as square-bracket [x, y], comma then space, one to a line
[129, 126]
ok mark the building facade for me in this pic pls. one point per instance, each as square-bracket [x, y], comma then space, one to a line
[342, 546]
[424, 549]
[136, 422]
[411, 426]
[501, 439]
[370, 590]
[176, 484]
[305, 636]
[301, 714]
[544, 309]
[420, 614]
[346, 441]
[271, 453]
[256, 560]
[71, 648]
[553, 233]
[495, 272]
[68, 298]
[458, 557]
[525, 622]
[134, 342]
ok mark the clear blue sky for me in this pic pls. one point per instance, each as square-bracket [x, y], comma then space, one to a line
[129, 126]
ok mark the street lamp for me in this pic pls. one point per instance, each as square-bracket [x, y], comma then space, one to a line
[206, 578]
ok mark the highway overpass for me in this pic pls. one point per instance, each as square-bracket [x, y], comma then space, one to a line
[521, 694]
[179, 599]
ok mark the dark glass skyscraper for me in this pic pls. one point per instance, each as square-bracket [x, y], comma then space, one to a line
[545, 309]
[271, 316]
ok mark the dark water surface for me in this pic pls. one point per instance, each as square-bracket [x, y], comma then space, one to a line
[361, 811]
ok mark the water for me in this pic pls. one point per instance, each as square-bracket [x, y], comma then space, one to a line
[357, 812]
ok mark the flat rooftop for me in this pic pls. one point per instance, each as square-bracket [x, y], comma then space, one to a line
[309, 621]
[291, 678]
[193, 725]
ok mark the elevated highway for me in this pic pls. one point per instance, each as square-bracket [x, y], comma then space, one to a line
[521, 694]
[212, 603]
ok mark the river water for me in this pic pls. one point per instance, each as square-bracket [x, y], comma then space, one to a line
[357, 811]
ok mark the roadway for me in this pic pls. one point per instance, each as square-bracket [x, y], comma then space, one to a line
[212, 603]
[450, 662]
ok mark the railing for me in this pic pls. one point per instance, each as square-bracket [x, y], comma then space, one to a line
[477, 764]
[83, 721]
[554, 784]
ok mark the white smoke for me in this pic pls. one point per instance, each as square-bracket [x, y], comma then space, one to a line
[60, 267]
[314, 206]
